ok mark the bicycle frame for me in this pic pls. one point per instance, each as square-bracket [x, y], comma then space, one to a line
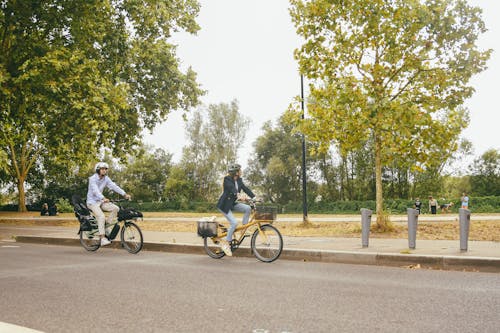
[235, 243]
[95, 230]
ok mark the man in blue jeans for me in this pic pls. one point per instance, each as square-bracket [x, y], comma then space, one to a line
[233, 185]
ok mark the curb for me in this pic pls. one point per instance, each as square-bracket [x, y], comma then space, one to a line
[480, 264]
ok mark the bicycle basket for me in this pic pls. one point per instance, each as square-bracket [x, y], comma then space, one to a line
[128, 214]
[207, 228]
[265, 213]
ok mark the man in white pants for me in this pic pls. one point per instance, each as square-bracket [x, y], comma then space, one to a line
[99, 204]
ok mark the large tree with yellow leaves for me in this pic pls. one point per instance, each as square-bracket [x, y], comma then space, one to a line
[393, 74]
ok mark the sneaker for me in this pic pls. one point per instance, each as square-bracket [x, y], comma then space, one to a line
[105, 241]
[224, 245]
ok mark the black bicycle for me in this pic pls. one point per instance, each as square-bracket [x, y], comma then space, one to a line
[130, 233]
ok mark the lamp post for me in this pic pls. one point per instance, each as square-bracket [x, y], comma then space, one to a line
[304, 183]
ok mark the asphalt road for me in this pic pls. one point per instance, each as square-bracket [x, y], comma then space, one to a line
[66, 289]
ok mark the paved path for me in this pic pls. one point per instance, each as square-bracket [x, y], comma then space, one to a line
[67, 289]
[444, 254]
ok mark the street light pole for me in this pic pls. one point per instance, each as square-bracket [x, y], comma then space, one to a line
[304, 183]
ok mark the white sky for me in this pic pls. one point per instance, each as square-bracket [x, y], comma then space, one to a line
[244, 51]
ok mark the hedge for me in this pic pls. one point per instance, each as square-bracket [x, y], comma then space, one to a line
[489, 204]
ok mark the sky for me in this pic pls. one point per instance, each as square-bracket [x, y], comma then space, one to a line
[244, 51]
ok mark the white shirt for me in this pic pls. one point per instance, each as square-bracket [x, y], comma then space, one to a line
[97, 185]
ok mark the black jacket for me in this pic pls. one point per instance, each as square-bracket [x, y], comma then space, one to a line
[230, 194]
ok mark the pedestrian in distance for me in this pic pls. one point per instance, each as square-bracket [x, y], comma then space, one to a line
[465, 200]
[53, 210]
[418, 205]
[432, 205]
[232, 187]
[45, 210]
[98, 203]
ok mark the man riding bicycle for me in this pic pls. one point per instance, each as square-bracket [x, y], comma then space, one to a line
[99, 204]
[233, 185]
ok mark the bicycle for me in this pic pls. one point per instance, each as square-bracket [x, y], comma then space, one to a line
[266, 240]
[130, 234]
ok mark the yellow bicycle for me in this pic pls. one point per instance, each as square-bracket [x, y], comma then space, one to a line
[266, 240]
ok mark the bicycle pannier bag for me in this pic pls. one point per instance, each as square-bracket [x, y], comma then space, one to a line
[207, 228]
[87, 222]
[82, 213]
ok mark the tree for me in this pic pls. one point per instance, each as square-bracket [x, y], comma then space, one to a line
[213, 145]
[275, 168]
[485, 174]
[178, 186]
[78, 76]
[392, 73]
[145, 174]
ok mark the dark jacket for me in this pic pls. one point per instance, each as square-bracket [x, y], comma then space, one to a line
[230, 194]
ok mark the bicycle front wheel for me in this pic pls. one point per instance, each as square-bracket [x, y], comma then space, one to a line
[267, 243]
[212, 249]
[131, 237]
[90, 240]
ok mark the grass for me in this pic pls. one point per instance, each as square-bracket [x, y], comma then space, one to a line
[479, 230]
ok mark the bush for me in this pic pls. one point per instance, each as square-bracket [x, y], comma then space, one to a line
[64, 206]
[490, 204]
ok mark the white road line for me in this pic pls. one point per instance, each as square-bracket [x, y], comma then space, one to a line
[11, 328]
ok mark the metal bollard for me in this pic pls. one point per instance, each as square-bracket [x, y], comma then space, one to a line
[412, 227]
[366, 219]
[464, 217]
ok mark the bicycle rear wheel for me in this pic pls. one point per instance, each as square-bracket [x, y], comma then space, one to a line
[131, 237]
[90, 240]
[267, 243]
[212, 249]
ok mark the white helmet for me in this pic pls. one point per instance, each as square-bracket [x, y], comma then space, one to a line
[101, 165]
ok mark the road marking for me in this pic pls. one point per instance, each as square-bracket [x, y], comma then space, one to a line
[10, 246]
[11, 328]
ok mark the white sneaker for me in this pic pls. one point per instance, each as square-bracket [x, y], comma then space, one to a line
[105, 241]
[224, 245]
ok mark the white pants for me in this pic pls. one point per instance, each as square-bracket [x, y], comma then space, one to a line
[99, 208]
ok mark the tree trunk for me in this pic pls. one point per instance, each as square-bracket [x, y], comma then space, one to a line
[381, 223]
[22, 195]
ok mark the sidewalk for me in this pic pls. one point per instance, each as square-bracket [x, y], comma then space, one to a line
[437, 254]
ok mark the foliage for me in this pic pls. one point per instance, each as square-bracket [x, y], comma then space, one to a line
[76, 76]
[178, 186]
[64, 206]
[275, 168]
[453, 187]
[485, 174]
[175, 206]
[489, 204]
[145, 174]
[393, 74]
[213, 144]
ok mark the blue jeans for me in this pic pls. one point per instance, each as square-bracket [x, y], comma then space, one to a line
[239, 207]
